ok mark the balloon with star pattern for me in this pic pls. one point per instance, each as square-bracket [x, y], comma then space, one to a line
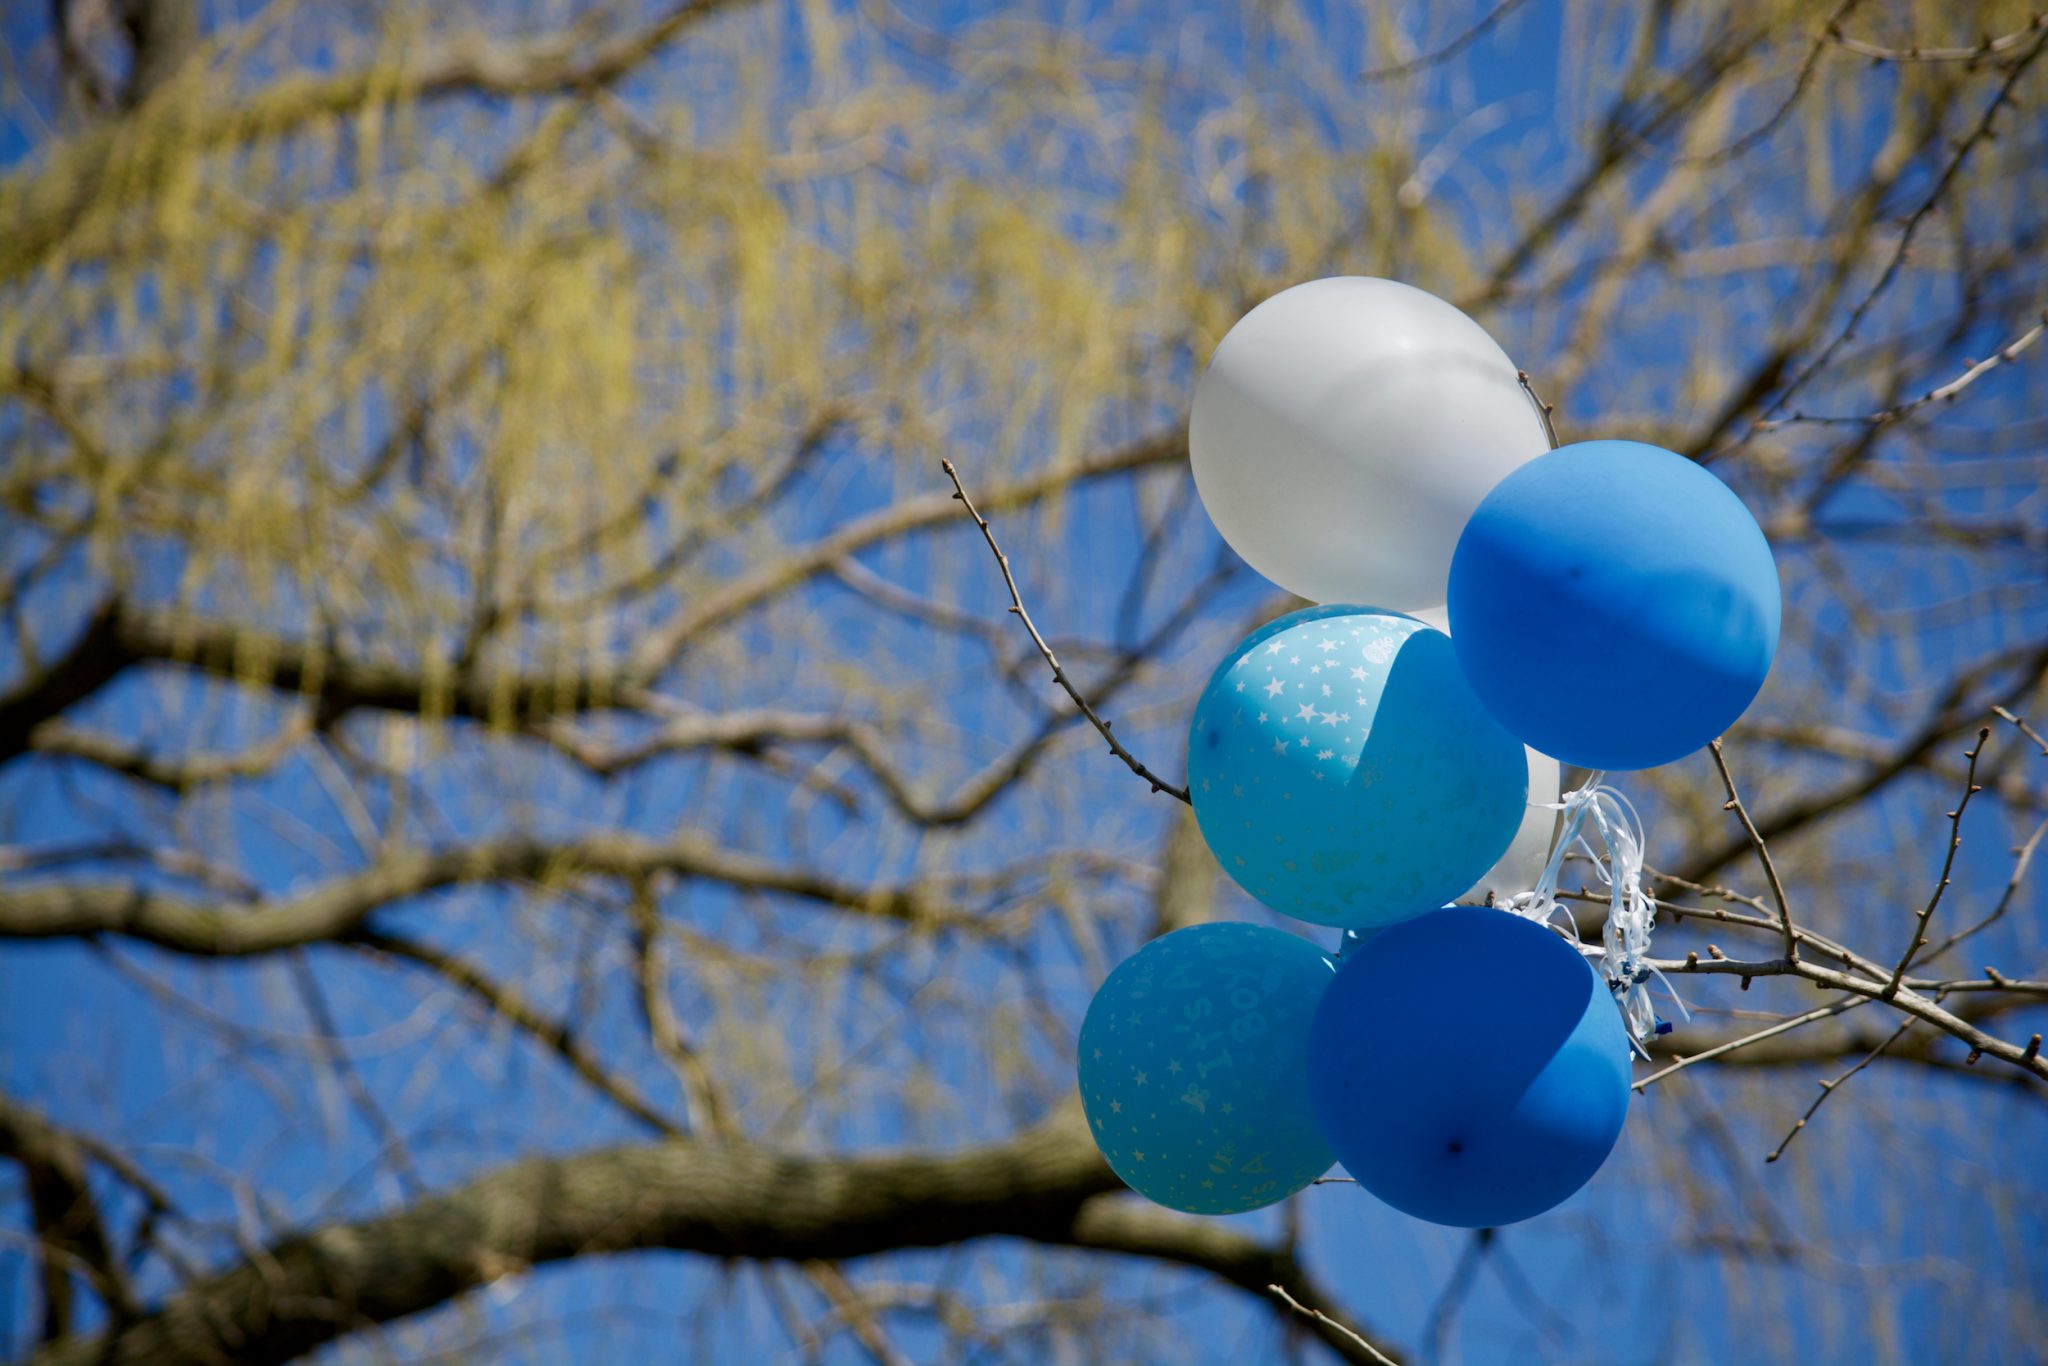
[1193, 1068]
[1343, 772]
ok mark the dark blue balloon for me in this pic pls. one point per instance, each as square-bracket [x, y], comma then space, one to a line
[1614, 605]
[1191, 1068]
[1468, 1067]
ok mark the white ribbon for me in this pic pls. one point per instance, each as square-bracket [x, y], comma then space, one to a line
[1624, 952]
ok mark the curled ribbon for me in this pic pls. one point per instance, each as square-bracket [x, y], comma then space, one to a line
[1597, 811]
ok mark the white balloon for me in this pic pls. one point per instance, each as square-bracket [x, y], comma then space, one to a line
[1522, 864]
[1344, 432]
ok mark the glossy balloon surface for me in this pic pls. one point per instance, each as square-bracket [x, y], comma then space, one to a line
[1345, 429]
[1469, 1068]
[1614, 605]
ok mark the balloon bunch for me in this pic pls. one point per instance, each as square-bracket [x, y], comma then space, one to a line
[1607, 604]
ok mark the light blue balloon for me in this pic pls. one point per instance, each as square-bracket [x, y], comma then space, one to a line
[1614, 604]
[1343, 772]
[1192, 1066]
[1469, 1068]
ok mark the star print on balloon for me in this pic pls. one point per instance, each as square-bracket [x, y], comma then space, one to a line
[1193, 1068]
[1344, 773]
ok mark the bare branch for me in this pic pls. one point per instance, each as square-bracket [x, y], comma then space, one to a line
[1989, 47]
[69, 1230]
[1543, 410]
[1373, 1353]
[1959, 708]
[390, 1142]
[1955, 842]
[710, 1117]
[2023, 857]
[175, 775]
[1941, 393]
[1048, 1185]
[1903, 999]
[765, 581]
[1763, 852]
[2019, 724]
[1722, 1050]
[1978, 135]
[1500, 11]
[1827, 1088]
[504, 1000]
[1059, 673]
[337, 909]
[1800, 83]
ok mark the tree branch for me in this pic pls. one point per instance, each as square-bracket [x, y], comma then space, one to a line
[338, 909]
[1059, 673]
[1948, 864]
[69, 1230]
[505, 1001]
[1988, 47]
[765, 581]
[1981, 132]
[89, 665]
[1763, 852]
[1047, 1185]
[1954, 712]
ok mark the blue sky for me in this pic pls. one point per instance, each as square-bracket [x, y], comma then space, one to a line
[80, 1034]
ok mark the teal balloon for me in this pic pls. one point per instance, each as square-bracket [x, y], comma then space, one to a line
[1193, 1068]
[1343, 771]
[1469, 1068]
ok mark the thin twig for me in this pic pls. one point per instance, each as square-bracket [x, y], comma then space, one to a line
[1906, 999]
[2023, 856]
[1785, 106]
[1320, 1317]
[1763, 853]
[706, 1115]
[1955, 842]
[1544, 410]
[2004, 355]
[1981, 132]
[854, 1310]
[1059, 673]
[1448, 50]
[314, 999]
[1782, 1027]
[1827, 1088]
[1989, 47]
[2019, 723]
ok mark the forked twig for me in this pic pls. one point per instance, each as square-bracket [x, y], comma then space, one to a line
[1783, 1026]
[1059, 672]
[2022, 857]
[1955, 842]
[1827, 1088]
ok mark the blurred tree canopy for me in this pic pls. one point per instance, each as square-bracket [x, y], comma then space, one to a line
[511, 756]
